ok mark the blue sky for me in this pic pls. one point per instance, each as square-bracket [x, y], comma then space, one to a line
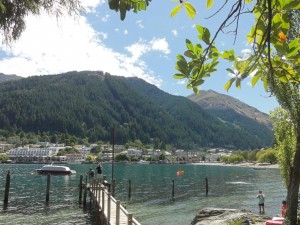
[145, 45]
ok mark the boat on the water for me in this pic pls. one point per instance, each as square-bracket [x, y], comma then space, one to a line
[56, 170]
[143, 162]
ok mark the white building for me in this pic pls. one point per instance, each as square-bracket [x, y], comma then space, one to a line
[134, 153]
[32, 154]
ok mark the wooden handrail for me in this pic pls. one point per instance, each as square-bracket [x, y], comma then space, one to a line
[105, 193]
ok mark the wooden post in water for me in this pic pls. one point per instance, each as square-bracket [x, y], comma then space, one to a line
[7, 185]
[84, 195]
[80, 188]
[48, 188]
[206, 186]
[173, 189]
[129, 189]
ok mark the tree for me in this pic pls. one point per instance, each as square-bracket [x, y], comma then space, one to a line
[162, 156]
[121, 157]
[12, 13]
[285, 141]
[96, 149]
[3, 157]
[90, 157]
[268, 156]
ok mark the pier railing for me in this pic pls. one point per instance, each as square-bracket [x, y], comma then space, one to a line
[109, 210]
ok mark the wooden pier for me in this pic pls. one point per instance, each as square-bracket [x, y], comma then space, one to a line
[109, 211]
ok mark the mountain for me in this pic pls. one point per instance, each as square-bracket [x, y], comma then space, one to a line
[4, 77]
[89, 104]
[233, 111]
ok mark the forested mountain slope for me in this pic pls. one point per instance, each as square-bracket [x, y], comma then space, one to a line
[89, 104]
[233, 111]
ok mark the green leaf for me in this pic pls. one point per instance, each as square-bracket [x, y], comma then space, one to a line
[293, 48]
[265, 83]
[190, 54]
[291, 4]
[229, 55]
[122, 10]
[255, 79]
[189, 44]
[190, 10]
[204, 34]
[181, 64]
[228, 84]
[230, 70]
[209, 3]
[179, 76]
[175, 10]
[198, 50]
[142, 5]
[196, 90]
[283, 79]
[238, 83]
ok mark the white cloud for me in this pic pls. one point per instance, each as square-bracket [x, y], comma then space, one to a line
[91, 5]
[125, 32]
[246, 53]
[175, 32]
[51, 47]
[160, 45]
[140, 24]
[105, 18]
[103, 35]
[140, 48]
[181, 82]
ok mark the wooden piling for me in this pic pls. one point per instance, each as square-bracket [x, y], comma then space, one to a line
[48, 188]
[129, 189]
[7, 185]
[206, 186]
[84, 195]
[80, 188]
[173, 189]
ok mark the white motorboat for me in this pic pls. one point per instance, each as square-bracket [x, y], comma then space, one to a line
[56, 170]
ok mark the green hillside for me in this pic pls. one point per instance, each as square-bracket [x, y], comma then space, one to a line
[88, 104]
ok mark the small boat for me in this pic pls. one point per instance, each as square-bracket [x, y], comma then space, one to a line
[143, 162]
[256, 168]
[56, 170]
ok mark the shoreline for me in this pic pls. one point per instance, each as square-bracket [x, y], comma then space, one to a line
[247, 165]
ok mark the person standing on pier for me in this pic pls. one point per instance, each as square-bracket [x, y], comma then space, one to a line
[91, 173]
[99, 171]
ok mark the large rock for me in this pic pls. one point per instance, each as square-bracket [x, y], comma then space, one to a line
[217, 216]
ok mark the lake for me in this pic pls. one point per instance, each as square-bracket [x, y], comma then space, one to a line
[151, 198]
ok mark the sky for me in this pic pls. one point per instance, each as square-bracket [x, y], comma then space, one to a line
[144, 45]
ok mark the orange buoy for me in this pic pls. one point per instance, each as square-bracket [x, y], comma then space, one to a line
[180, 172]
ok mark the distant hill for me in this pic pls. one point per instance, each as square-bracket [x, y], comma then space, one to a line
[88, 104]
[4, 77]
[233, 111]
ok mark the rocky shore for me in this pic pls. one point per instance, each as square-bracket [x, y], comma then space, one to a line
[219, 216]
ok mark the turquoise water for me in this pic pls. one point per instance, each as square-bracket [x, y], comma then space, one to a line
[151, 197]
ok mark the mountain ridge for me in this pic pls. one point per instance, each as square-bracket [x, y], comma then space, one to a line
[88, 103]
